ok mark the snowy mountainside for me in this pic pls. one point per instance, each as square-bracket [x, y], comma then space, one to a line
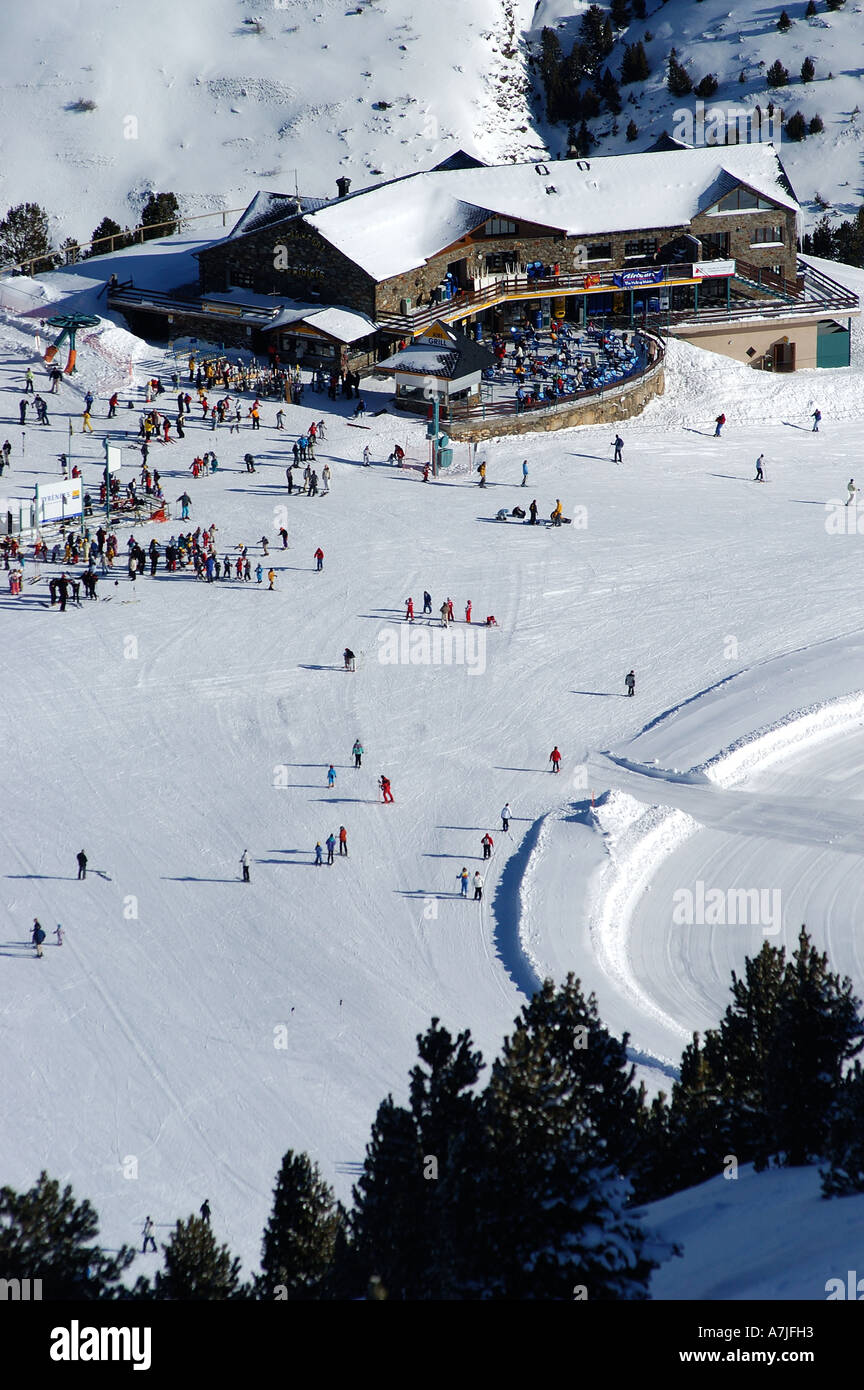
[195, 99]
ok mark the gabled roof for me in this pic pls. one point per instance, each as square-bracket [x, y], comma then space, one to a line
[272, 207]
[397, 226]
[442, 353]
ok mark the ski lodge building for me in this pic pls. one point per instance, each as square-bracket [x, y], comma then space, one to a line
[699, 242]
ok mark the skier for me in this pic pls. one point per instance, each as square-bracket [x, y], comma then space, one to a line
[357, 750]
[505, 817]
[319, 853]
[618, 445]
[244, 865]
[851, 489]
[330, 842]
[326, 475]
[82, 863]
[331, 775]
[760, 476]
[481, 469]
[28, 381]
[343, 841]
[487, 843]
[37, 936]
[348, 658]
[524, 472]
[205, 1211]
[264, 545]
[427, 601]
[147, 1233]
[409, 610]
[468, 611]
[259, 571]
[445, 614]
[58, 932]
[817, 416]
[630, 682]
[478, 886]
[450, 617]
[185, 503]
[271, 579]
[462, 879]
[367, 457]
[533, 513]
[555, 758]
[284, 534]
[719, 423]
[319, 558]
[384, 784]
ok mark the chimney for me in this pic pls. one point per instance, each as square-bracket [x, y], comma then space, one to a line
[343, 185]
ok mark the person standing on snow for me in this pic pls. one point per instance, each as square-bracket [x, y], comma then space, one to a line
[331, 775]
[348, 658]
[384, 784]
[555, 758]
[367, 457]
[817, 416]
[259, 571]
[445, 614]
[244, 865]
[630, 682]
[319, 558]
[271, 578]
[427, 601]
[532, 510]
[205, 1211]
[58, 932]
[481, 469]
[851, 489]
[760, 476]
[505, 817]
[357, 750]
[409, 610]
[330, 842]
[468, 611]
[524, 473]
[719, 423]
[147, 1233]
[450, 617]
[319, 853]
[343, 841]
[37, 936]
[478, 886]
[487, 843]
[618, 445]
[326, 476]
[462, 879]
[82, 863]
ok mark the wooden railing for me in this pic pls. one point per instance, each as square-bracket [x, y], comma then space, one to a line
[71, 254]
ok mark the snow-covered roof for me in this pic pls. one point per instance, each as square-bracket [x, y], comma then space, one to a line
[398, 225]
[443, 353]
[346, 325]
[272, 207]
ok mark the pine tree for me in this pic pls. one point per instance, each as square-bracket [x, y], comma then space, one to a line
[777, 75]
[808, 70]
[107, 228]
[810, 10]
[584, 141]
[541, 1174]
[24, 235]
[634, 63]
[619, 13]
[706, 87]
[610, 92]
[551, 59]
[70, 251]
[845, 1144]
[678, 78]
[300, 1235]
[406, 1223]
[45, 1234]
[784, 23]
[796, 127]
[817, 1031]
[815, 125]
[595, 32]
[195, 1268]
[160, 208]
[632, 131]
